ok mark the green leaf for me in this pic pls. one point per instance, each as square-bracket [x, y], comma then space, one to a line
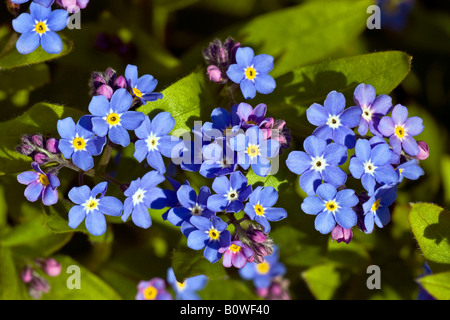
[41, 118]
[29, 78]
[187, 263]
[301, 87]
[10, 284]
[227, 289]
[431, 227]
[11, 58]
[438, 285]
[190, 98]
[324, 280]
[92, 287]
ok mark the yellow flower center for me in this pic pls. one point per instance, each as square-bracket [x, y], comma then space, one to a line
[259, 210]
[40, 27]
[376, 205]
[263, 267]
[113, 119]
[331, 206]
[213, 234]
[79, 143]
[400, 132]
[137, 92]
[43, 180]
[250, 73]
[181, 285]
[235, 248]
[252, 151]
[150, 293]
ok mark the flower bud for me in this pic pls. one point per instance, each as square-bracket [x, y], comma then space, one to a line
[40, 158]
[214, 74]
[340, 234]
[51, 145]
[105, 91]
[120, 83]
[39, 283]
[27, 274]
[424, 151]
[256, 235]
[25, 149]
[38, 140]
[51, 267]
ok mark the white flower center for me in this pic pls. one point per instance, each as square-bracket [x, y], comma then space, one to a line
[367, 113]
[232, 195]
[138, 196]
[90, 205]
[318, 163]
[333, 122]
[152, 142]
[369, 167]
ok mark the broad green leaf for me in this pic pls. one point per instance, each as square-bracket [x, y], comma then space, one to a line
[92, 287]
[445, 168]
[10, 284]
[301, 87]
[438, 285]
[431, 227]
[324, 280]
[11, 58]
[29, 78]
[303, 34]
[189, 99]
[41, 118]
[187, 263]
[228, 289]
[352, 255]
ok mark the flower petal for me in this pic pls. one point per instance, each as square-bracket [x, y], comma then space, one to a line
[244, 56]
[263, 63]
[57, 19]
[334, 103]
[28, 42]
[248, 89]
[265, 84]
[76, 216]
[324, 222]
[96, 223]
[51, 42]
[317, 115]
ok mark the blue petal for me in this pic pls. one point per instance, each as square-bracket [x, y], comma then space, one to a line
[79, 195]
[178, 215]
[268, 196]
[83, 160]
[163, 123]
[298, 162]
[49, 196]
[314, 146]
[335, 154]
[309, 181]
[147, 83]
[369, 222]
[99, 126]
[263, 63]
[127, 208]
[155, 160]
[381, 154]
[325, 132]
[264, 83]
[99, 106]
[347, 198]
[356, 168]
[131, 74]
[236, 73]
[269, 148]
[76, 216]
[363, 150]
[344, 135]
[66, 128]
[141, 216]
[58, 20]
[151, 179]
[239, 142]
[262, 167]
[170, 146]
[96, 223]
[51, 42]
[346, 218]
[33, 191]
[312, 205]
[275, 214]
[121, 101]
[238, 181]
[119, 135]
[221, 185]
[248, 89]
[39, 12]
[99, 190]
[110, 206]
[197, 239]
[386, 175]
[317, 115]
[144, 129]
[217, 203]
[351, 117]
[95, 145]
[382, 217]
[23, 23]
[334, 175]
[187, 196]
[244, 56]
[140, 150]
[131, 120]
[234, 206]
[28, 42]
[27, 177]
[326, 191]
[324, 222]
[334, 103]
[211, 252]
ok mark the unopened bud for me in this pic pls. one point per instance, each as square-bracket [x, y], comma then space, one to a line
[340, 234]
[40, 158]
[424, 151]
[25, 149]
[27, 274]
[51, 145]
[52, 267]
[120, 83]
[214, 74]
[38, 140]
[105, 91]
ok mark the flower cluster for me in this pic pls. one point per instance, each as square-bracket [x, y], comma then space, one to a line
[38, 27]
[36, 283]
[380, 161]
[159, 289]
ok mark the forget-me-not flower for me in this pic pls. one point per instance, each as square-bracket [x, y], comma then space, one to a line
[40, 185]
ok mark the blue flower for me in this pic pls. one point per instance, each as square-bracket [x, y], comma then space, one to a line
[376, 140]
[331, 207]
[263, 273]
[252, 117]
[372, 165]
[373, 107]
[38, 28]
[231, 193]
[141, 87]
[142, 194]
[251, 72]
[253, 150]
[45, 3]
[78, 143]
[191, 205]
[260, 207]
[409, 170]
[319, 163]
[334, 123]
[376, 209]
[218, 159]
[224, 124]
[400, 130]
[210, 234]
[186, 290]
[40, 185]
[154, 141]
[93, 205]
[112, 118]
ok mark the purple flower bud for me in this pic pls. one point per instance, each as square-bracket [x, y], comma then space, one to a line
[340, 234]
[120, 83]
[25, 149]
[51, 145]
[38, 140]
[214, 74]
[82, 3]
[40, 158]
[27, 274]
[39, 283]
[256, 235]
[424, 151]
[26, 139]
[52, 267]
[105, 90]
